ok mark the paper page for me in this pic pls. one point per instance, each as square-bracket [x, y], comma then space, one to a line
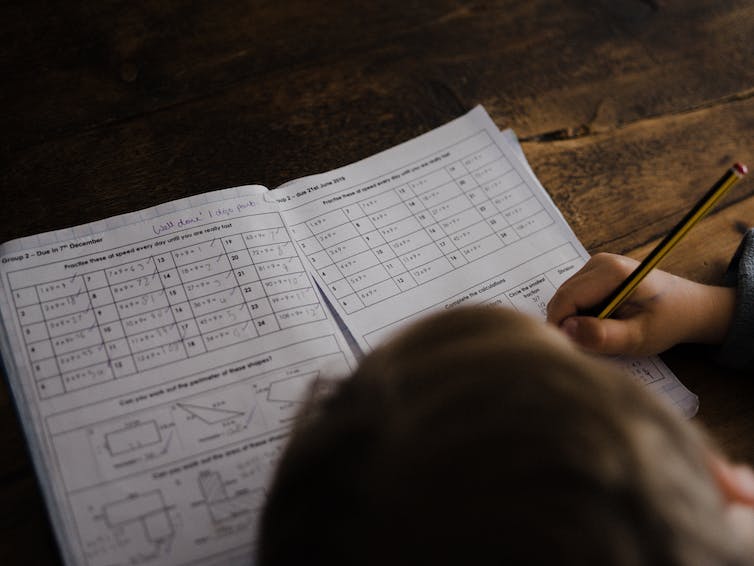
[452, 217]
[157, 367]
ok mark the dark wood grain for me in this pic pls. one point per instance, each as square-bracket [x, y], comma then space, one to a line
[628, 110]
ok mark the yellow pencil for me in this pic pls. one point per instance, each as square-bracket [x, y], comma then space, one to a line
[700, 209]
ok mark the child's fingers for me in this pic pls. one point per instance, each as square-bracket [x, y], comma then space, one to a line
[599, 277]
[607, 336]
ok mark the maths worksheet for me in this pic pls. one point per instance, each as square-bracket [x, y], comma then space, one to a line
[158, 359]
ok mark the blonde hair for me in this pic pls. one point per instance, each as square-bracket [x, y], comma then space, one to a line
[479, 436]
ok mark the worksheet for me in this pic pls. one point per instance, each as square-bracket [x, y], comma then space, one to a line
[158, 360]
[452, 217]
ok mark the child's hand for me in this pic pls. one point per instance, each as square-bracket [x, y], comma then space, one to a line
[664, 310]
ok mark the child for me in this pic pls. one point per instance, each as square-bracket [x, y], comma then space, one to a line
[481, 436]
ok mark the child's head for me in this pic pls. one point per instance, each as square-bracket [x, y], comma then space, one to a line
[481, 436]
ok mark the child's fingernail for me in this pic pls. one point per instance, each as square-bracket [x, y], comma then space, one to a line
[570, 326]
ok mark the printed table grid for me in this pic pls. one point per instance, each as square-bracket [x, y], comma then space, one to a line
[390, 242]
[142, 314]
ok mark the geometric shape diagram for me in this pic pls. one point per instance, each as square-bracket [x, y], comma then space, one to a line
[149, 509]
[209, 415]
[222, 506]
[132, 437]
[292, 389]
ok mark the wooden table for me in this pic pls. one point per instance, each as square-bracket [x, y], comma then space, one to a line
[627, 110]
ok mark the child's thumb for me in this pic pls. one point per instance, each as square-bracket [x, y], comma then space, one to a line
[604, 336]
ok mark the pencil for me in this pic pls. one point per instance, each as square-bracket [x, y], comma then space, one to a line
[609, 305]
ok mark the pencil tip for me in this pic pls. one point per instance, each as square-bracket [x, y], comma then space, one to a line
[741, 168]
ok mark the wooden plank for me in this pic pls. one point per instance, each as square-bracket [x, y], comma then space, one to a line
[544, 65]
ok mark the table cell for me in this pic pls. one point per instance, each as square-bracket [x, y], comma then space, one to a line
[435, 232]
[394, 267]
[384, 252]
[80, 359]
[462, 220]
[368, 277]
[198, 253]
[233, 243]
[508, 235]
[181, 311]
[484, 156]
[401, 228]
[220, 319]
[30, 314]
[450, 208]
[438, 195]
[390, 215]
[405, 282]
[467, 183]
[456, 169]
[379, 292]
[300, 231]
[240, 258]
[164, 261]
[348, 248]
[279, 267]
[486, 209]
[259, 307]
[410, 242]
[70, 323]
[456, 259]
[471, 234]
[102, 296]
[508, 181]
[61, 288]
[357, 263]
[87, 377]
[76, 340]
[165, 354]
[188, 328]
[145, 303]
[523, 210]
[353, 211]
[177, 294]
[286, 283]
[200, 269]
[431, 270]
[405, 193]
[497, 221]
[117, 348]
[136, 287]
[320, 259]
[63, 306]
[301, 315]
[131, 270]
[327, 221]
[532, 297]
[481, 247]
[245, 275]
[106, 313]
[148, 320]
[446, 246]
[511, 198]
[253, 291]
[337, 234]
[340, 288]
[272, 252]
[310, 245]
[95, 280]
[194, 346]
[364, 225]
[40, 350]
[25, 296]
[159, 336]
[267, 324]
[430, 181]
[492, 171]
[421, 256]
[273, 235]
[330, 274]
[112, 330]
[475, 195]
[208, 285]
[35, 332]
[379, 202]
[351, 303]
[533, 224]
[292, 299]
[219, 300]
[123, 367]
[45, 368]
[50, 387]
